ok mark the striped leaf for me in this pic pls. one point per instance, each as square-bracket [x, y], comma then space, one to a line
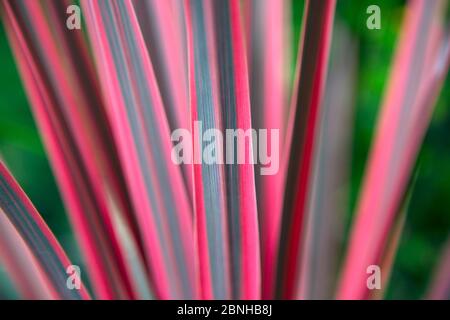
[31, 232]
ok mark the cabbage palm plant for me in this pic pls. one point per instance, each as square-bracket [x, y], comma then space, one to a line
[106, 95]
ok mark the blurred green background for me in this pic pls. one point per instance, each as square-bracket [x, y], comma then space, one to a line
[428, 218]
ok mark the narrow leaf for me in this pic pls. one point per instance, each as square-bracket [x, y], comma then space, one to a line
[18, 209]
[301, 136]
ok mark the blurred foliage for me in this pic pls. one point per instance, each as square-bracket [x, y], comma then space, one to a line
[22, 150]
[428, 219]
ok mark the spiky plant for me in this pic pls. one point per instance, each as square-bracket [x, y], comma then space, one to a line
[107, 96]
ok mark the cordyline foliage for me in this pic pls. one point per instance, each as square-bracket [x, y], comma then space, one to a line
[106, 98]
